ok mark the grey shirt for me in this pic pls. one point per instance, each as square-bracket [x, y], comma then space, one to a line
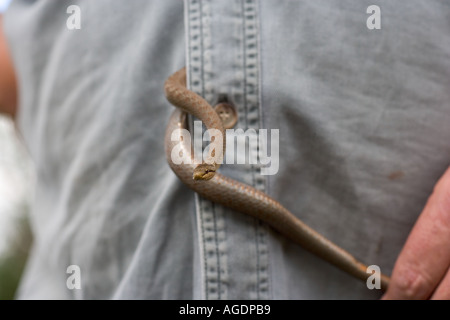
[364, 128]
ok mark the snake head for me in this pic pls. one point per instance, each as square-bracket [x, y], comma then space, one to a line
[204, 171]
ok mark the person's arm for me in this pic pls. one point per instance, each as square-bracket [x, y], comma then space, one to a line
[8, 88]
[422, 270]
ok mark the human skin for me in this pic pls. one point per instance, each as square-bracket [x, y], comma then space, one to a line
[422, 268]
[8, 87]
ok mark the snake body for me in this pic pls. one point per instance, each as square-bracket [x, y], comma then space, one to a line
[238, 196]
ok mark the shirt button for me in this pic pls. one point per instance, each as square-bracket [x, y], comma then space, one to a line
[227, 113]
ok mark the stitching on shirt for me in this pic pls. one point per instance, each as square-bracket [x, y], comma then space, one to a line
[244, 80]
[210, 217]
[195, 54]
[246, 112]
[217, 250]
[188, 39]
[214, 279]
[258, 262]
[202, 58]
[205, 260]
[265, 283]
[253, 115]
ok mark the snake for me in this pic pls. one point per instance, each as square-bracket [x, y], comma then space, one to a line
[204, 179]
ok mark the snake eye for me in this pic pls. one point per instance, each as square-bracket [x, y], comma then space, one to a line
[204, 171]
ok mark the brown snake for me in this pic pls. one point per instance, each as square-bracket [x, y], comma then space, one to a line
[204, 180]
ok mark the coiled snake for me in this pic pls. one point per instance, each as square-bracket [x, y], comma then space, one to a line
[203, 179]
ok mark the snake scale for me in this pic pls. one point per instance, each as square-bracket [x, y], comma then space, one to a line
[203, 179]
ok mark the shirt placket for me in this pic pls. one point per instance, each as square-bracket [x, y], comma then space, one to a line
[223, 66]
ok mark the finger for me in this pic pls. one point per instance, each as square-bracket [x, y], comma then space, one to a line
[425, 258]
[443, 291]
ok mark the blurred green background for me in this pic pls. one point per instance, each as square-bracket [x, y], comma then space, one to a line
[15, 196]
[16, 185]
[12, 261]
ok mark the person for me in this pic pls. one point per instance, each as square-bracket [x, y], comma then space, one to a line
[362, 115]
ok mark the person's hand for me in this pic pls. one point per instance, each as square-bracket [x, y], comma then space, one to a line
[422, 268]
[8, 90]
